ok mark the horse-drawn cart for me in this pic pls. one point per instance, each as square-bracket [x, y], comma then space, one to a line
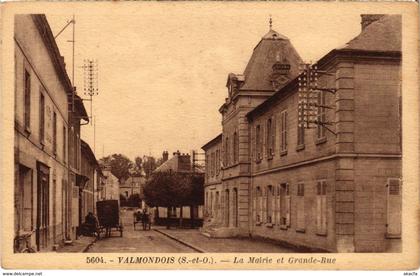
[108, 217]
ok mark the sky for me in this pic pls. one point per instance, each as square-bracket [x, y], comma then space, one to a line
[163, 66]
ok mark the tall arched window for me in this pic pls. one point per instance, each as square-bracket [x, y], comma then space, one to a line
[258, 202]
[235, 148]
[269, 206]
[227, 207]
[227, 152]
[235, 207]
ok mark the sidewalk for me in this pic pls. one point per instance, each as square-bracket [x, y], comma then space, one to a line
[78, 246]
[194, 239]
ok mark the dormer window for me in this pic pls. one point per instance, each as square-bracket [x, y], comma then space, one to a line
[230, 89]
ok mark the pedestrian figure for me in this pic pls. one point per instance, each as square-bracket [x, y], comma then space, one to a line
[138, 217]
[90, 226]
[146, 220]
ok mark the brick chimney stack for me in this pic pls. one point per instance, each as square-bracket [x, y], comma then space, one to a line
[367, 19]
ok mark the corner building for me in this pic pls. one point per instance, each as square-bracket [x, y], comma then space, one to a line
[329, 188]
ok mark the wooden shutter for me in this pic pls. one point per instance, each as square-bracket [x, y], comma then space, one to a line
[300, 207]
[285, 129]
[262, 140]
[254, 205]
[278, 206]
[254, 143]
[318, 208]
[287, 198]
[321, 207]
[273, 135]
[264, 205]
[394, 204]
[273, 205]
[324, 214]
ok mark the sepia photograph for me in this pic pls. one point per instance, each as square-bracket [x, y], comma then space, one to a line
[208, 128]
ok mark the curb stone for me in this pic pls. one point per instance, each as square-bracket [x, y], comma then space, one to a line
[180, 241]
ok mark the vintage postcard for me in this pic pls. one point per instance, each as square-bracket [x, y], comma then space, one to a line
[210, 135]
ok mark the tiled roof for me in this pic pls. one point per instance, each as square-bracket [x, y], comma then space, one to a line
[273, 46]
[382, 35]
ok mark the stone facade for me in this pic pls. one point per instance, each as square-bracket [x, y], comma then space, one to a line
[334, 187]
[46, 142]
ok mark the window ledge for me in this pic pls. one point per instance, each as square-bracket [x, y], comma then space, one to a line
[283, 227]
[300, 230]
[283, 152]
[300, 147]
[321, 140]
[258, 223]
[269, 225]
[392, 236]
[321, 234]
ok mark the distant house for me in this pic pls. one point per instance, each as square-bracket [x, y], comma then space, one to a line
[133, 185]
[111, 187]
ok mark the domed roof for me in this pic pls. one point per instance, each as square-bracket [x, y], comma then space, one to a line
[272, 48]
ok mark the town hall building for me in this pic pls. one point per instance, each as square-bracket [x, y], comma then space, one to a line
[331, 183]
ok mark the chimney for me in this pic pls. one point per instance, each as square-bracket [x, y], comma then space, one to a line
[367, 19]
[165, 156]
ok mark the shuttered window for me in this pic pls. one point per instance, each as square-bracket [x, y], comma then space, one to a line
[258, 142]
[394, 205]
[269, 204]
[27, 100]
[270, 137]
[54, 133]
[258, 206]
[283, 131]
[64, 144]
[321, 207]
[41, 118]
[278, 205]
[235, 148]
[300, 206]
[284, 205]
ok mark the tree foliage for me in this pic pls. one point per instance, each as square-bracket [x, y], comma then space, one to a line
[150, 164]
[138, 166]
[166, 189]
[120, 165]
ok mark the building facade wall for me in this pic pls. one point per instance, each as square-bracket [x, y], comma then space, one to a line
[33, 62]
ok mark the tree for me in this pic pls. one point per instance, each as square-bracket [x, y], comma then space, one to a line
[120, 165]
[149, 165]
[138, 166]
[166, 189]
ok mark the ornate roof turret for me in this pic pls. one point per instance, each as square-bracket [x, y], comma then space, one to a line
[273, 63]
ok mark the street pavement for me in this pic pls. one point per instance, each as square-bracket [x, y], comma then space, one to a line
[162, 240]
[226, 245]
[137, 240]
